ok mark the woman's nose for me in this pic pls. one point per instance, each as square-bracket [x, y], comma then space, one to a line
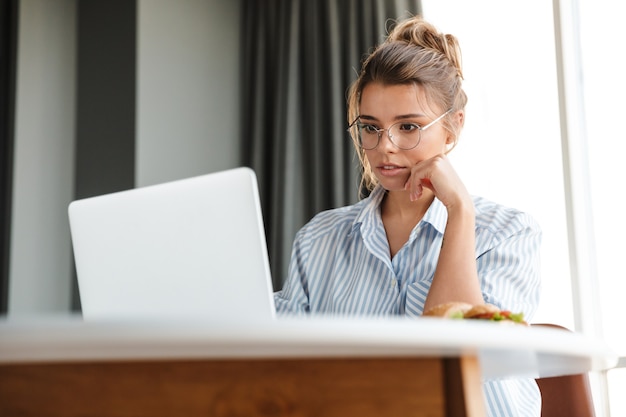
[384, 142]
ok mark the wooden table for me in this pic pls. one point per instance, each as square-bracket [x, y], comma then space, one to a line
[290, 367]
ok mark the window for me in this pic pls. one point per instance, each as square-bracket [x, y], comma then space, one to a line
[510, 148]
[602, 30]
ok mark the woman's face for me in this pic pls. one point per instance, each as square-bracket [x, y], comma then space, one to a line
[382, 106]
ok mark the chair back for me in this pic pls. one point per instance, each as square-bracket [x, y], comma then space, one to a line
[565, 396]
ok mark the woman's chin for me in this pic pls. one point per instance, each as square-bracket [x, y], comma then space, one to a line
[392, 184]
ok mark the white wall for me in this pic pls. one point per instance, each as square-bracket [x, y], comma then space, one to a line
[187, 103]
[40, 267]
[188, 90]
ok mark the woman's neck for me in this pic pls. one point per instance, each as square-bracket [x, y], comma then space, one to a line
[396, 204]
[400, 215]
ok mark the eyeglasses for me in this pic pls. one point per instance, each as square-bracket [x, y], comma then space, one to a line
[403, 135]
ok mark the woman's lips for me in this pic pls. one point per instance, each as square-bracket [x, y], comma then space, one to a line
[390, 170]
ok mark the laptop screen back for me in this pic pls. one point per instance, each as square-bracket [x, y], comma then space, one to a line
[188, 248]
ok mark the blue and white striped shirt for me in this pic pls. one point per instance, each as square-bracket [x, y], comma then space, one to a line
[340, 265]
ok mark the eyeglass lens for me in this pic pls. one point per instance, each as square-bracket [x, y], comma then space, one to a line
[403, 135]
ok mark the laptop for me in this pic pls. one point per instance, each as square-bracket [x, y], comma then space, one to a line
[191, 248]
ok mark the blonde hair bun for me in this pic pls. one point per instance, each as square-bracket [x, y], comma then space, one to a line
[418, 32]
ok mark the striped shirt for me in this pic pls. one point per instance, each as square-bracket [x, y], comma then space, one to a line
[340, 265]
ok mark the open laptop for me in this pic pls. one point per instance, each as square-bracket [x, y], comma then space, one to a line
[191, 248]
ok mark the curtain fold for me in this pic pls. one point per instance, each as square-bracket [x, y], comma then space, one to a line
[299, 58]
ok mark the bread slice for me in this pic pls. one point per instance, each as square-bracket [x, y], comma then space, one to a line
[455, 309]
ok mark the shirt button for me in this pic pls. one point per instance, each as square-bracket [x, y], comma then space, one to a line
[394, 282]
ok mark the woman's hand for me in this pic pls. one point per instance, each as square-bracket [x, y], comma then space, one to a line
[438, 175]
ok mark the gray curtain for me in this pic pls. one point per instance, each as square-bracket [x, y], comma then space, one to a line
[300, 57]
[8, 54]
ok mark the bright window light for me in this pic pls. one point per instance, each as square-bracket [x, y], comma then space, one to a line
[511, 152]
[510, 148]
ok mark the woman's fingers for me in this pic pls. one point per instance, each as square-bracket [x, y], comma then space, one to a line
[416, 189]
[437, 175]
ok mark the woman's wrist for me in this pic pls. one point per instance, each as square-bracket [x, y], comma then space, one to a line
[463, 209]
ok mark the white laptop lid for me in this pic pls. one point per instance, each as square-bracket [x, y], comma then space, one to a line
[189, 248]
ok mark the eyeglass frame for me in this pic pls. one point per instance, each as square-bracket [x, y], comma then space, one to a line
[380, 132]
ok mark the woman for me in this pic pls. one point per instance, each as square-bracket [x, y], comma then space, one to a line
[419, 239]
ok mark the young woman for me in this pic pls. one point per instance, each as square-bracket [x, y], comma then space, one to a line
[419, 239]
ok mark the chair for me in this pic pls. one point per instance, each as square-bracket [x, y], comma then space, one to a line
[565, 396]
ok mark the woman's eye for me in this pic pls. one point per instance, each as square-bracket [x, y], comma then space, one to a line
[369, 129]
[408, 127]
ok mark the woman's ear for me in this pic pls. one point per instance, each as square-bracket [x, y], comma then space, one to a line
[461, 118]
[458, 119]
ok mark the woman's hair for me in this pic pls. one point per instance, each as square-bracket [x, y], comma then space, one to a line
[413, 53]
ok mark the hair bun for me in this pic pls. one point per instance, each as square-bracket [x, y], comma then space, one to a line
[418, 32]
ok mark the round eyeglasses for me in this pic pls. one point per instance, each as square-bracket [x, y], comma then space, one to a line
[404, 135]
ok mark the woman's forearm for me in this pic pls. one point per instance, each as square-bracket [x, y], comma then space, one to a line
[456, 277]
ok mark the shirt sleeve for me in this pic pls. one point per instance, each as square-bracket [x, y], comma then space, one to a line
[293, 298]
[509, 264]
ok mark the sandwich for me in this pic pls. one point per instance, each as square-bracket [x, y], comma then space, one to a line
[460, 310]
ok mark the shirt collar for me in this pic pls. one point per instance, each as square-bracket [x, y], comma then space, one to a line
[370, 210]
[436, 215]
